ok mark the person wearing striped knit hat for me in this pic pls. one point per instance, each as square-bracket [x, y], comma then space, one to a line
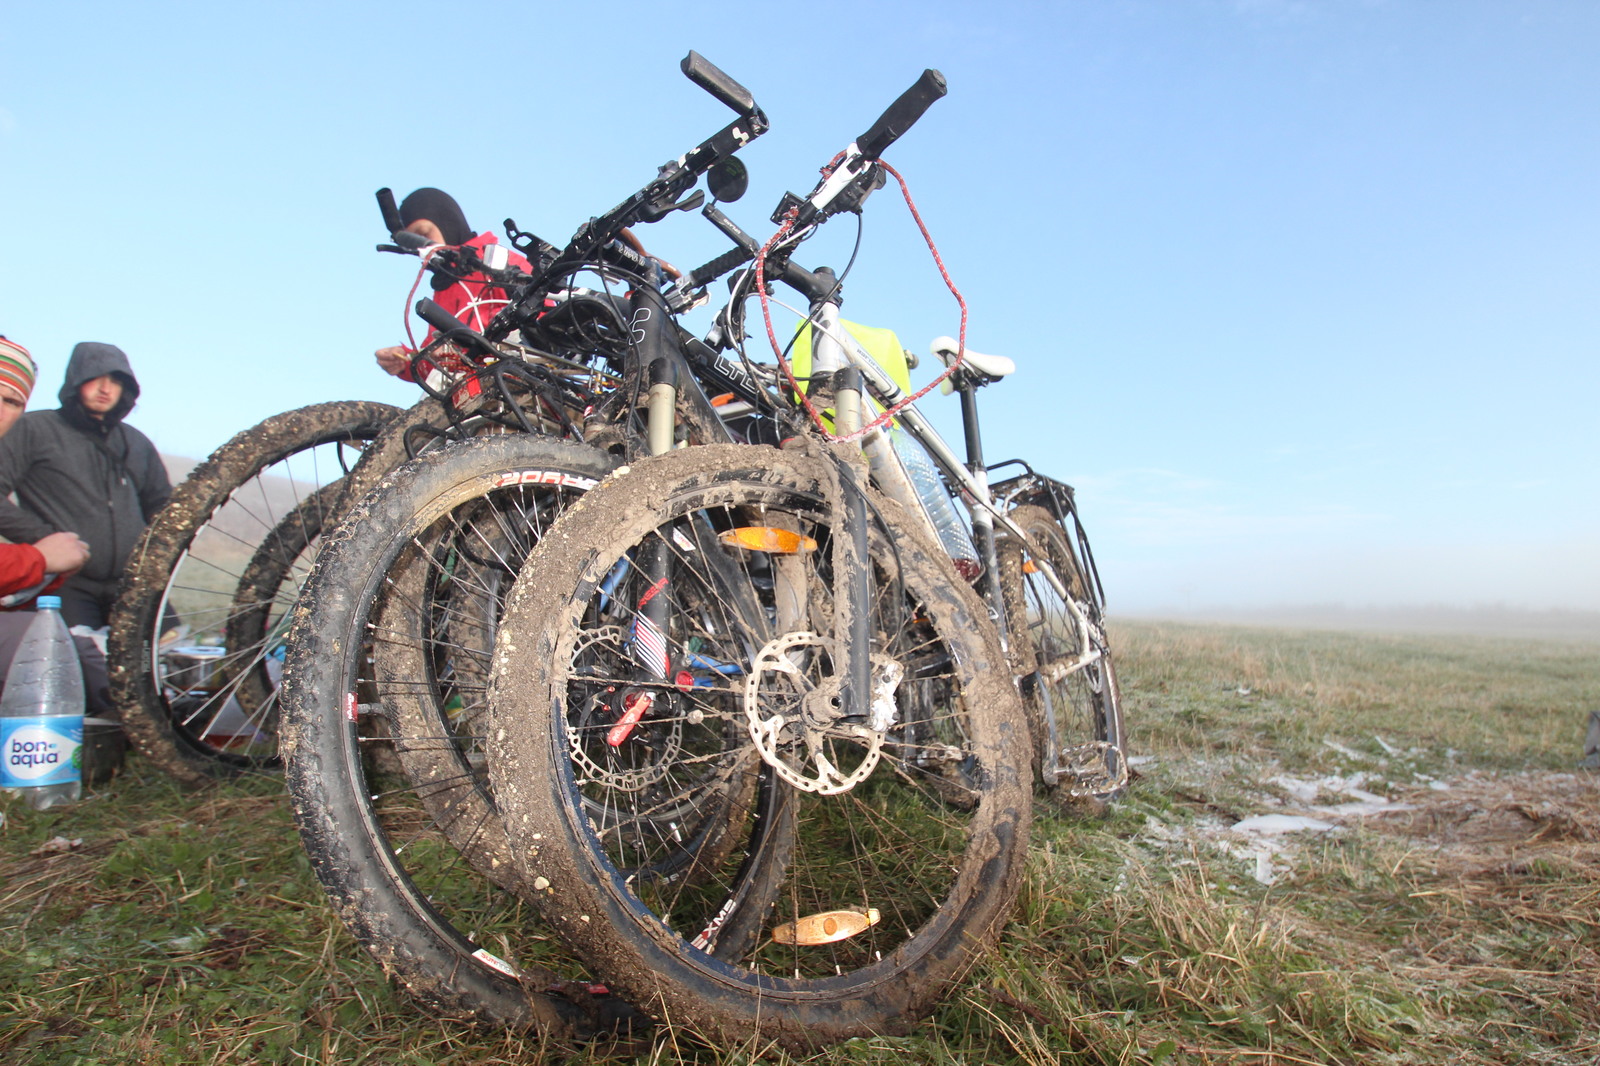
[29, 569]
[26, 570]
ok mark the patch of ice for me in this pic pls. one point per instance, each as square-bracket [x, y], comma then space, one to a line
[1304, 791]
[1346, 752]
[1275, 824]
[1386, 746]
[1307, 791]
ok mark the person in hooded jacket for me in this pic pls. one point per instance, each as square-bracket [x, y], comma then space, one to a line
[434, 214]
[82, 469]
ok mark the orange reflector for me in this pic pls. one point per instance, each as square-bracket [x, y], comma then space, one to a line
[825, 928]
[769, 539]
[723, 400]
[1029, 566]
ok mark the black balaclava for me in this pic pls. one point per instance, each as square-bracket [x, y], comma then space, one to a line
[441, 209]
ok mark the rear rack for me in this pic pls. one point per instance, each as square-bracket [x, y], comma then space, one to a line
[1057, 497]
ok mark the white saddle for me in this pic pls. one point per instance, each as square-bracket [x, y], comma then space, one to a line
[991, 366]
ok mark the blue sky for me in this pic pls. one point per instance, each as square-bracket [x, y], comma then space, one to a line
[1305, 296]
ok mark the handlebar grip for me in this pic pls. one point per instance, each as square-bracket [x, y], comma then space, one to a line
[902, 114]
[391, 213]
[438, 317]
[410, 242]
[709, 77]
[729, 260]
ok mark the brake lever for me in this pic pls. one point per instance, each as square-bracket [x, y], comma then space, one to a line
[539, 252]
[656, 212]
[410, 242]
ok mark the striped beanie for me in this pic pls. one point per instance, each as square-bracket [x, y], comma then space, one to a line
[17, 369]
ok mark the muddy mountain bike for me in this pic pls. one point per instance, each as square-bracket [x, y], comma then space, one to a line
[770, 615]
[383, 689]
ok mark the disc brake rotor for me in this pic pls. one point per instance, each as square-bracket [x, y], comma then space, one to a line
[630, 766]
[796, 720]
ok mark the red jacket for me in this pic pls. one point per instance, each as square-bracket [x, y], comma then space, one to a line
[474, 301]
[22, 569]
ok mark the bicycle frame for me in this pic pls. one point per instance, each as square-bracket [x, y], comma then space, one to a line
[970, 479]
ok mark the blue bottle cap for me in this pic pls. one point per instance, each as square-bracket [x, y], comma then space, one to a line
[48, 603]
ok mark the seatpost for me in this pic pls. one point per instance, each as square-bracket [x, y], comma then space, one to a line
[982, 516]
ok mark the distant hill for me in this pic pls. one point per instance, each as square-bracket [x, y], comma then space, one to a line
[178, 467]
[1431, 618]
[264, 503]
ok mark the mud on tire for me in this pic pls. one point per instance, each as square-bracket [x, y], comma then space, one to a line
[382, 700]
[194, 563]
[923, 852]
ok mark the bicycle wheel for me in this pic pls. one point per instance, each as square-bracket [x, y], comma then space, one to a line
[675, 631]
[381, 701]
[267, 588]
[172, 670]
[1060, 648]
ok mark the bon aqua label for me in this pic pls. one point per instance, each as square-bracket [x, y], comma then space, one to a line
[40, 751]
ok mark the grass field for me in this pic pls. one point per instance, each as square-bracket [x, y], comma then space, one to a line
[1441, 903]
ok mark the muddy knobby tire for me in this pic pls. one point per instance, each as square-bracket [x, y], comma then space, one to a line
[150, 717]
[922, 855]
[382, 702]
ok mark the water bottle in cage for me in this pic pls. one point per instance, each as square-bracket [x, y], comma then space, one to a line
[936, 502]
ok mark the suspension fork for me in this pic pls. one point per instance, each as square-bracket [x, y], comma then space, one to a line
[648, 333]
[663, 368]
[674, 393]
[851, 565]
[970, 478]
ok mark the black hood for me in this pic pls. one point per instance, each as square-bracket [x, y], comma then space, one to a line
[440, 208]
[91, 360]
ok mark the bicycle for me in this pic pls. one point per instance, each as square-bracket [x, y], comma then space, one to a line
[383, 681]
[736, 611]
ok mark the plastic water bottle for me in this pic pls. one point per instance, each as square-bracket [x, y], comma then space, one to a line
[936, 501]
[41, 713]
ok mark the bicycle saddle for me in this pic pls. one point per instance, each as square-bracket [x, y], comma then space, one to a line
[993, 367]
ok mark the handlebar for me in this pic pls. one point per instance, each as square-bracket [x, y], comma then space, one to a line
[732, 259]
[438, 317]
[452, 329]
[848, 181]
[409, 242]
[596, 239]
[843, 187]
